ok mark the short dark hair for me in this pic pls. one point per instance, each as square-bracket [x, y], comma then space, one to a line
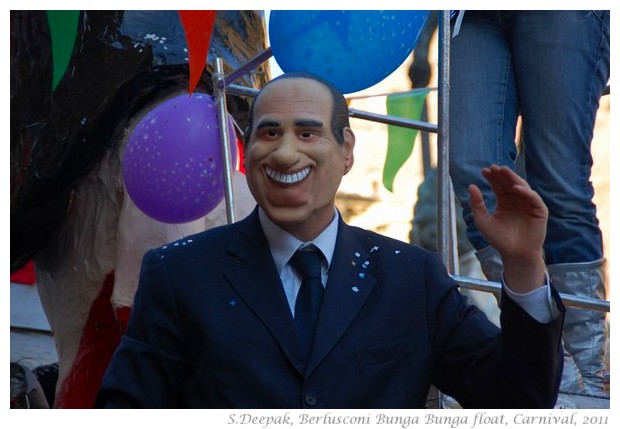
[340, 111]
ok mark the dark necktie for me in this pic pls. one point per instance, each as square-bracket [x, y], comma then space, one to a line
[307, 263]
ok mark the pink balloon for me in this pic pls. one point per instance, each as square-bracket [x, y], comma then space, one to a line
[172, 165]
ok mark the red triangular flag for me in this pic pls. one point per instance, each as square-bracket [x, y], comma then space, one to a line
[198, 26]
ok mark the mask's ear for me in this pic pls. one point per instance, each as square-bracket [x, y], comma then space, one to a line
[349, 144]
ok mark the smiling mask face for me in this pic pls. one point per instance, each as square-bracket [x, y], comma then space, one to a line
[293, 162]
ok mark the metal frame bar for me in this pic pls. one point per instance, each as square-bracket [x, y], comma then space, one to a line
[222, 113]
[568, 299]
[444, 200]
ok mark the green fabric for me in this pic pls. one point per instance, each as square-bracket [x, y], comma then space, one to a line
[63, 29]
[401, 140]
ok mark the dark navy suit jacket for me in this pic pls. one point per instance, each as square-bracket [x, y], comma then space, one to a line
[211, 327]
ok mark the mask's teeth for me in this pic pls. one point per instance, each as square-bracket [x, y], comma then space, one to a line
[288, 179]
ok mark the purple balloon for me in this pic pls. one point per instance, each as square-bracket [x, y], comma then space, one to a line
[172, 165]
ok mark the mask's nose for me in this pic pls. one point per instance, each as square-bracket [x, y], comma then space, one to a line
[285, 154]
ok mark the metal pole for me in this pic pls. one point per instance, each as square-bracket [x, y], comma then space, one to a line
[241, 90]
[393, 120]
[250, 65]
[443, 190]
[569, 300]
[445, 206]
[219, 90]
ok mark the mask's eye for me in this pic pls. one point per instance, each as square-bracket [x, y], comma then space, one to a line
[307, 134]
[269, 134]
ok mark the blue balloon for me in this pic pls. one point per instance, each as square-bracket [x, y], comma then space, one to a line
[352, 49]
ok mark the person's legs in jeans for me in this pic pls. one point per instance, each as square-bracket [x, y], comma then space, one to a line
[561, 63]
[483, 117]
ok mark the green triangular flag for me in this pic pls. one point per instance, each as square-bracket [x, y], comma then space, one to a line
[400, 139]
[63, 29]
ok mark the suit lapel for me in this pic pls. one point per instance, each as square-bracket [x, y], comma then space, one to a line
[254, 277]
[348, 288]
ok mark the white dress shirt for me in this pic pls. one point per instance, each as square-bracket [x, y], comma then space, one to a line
[283, 245]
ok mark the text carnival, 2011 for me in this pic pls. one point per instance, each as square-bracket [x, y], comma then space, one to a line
[452, 419]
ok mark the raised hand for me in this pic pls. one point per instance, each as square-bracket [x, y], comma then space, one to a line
[516, 229]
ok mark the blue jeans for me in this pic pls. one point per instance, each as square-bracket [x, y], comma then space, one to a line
[551, 68]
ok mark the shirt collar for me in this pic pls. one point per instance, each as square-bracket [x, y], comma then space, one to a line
[283, 245]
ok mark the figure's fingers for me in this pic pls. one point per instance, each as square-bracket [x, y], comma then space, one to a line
[503, 178]
[494, 177]
[531, 198]
[477, 205]
[517, 192]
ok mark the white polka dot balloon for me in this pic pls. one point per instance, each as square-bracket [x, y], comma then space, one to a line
[172, 165]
